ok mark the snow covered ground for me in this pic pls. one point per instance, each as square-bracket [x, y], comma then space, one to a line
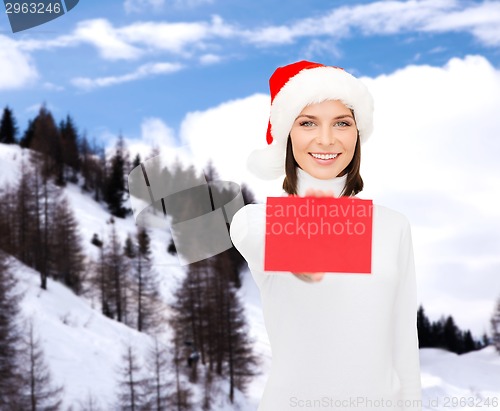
[84, 351]
[84, 348]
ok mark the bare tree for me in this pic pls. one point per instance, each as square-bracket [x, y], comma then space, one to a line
[144, 283]
[39, 393]
[158, 386]
[10, 337]
[90, 403]
[182, 395]
[114, 276]
[132, 383]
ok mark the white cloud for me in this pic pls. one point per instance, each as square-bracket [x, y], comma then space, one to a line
[156, 133]
[143, 71]
[173, 37]
[444, 118]
[192, 38]
[433, 156]
[482, 20]
[226, 134]
[390, 17]
[133, 41]
[210, 59]
[101, 34]
[145, 6]
[142, 6]
[52, 87]
[17, 69]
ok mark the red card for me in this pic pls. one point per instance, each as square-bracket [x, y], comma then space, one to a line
[318, 234]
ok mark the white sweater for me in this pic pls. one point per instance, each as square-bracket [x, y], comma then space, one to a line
[348, 342]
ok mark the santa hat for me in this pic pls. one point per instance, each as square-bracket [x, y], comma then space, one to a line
[292, 88]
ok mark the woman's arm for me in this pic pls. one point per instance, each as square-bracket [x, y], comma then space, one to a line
[406, 350]
[247, 233]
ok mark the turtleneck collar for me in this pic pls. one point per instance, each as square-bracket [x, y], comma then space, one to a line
[306, 181]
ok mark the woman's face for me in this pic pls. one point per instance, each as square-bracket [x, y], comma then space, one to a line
[324, 138]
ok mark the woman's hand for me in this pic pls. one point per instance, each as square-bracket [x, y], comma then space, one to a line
[314, 277]
[309, 277]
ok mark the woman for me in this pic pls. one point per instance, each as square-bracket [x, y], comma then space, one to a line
[339, 340]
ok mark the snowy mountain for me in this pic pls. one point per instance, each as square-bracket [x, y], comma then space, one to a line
[84, 348]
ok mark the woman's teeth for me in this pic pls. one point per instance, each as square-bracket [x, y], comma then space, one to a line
[324, 156]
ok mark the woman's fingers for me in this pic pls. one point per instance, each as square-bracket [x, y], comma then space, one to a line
[310, 277]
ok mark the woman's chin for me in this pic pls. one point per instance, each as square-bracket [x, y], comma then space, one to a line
[323, 174]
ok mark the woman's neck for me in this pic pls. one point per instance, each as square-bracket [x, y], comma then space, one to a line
[306, 181]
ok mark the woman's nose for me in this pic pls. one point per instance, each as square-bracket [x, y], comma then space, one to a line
[326, 136]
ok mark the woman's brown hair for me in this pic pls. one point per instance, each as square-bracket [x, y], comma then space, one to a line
[354, 183]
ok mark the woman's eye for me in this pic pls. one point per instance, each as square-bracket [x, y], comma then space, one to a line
[307, 123]
[343, 124]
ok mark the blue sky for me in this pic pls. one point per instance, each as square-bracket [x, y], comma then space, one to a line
[181, 56]
[195, 73]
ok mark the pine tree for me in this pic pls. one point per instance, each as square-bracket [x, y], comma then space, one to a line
[68, 257]
[451, 335]
[208, 314]
[424, 329]
[93, 168]
[39, 393]
[485, 340]
[44, 262]
[468, 342]
[70, 147]
[146, 290]
[137, 161]
[115, 190]
[495, 327]
[437, 330]
[100, 279]
[8, 212]
[132, 383]
[27, 137]
[235, 357]
[46, 140]
[25, 216]
[8, 128]
[33, 211]
[10, 337]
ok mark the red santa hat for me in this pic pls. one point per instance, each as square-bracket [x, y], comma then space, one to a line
[292, 88]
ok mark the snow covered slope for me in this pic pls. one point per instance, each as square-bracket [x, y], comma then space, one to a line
[84, 348]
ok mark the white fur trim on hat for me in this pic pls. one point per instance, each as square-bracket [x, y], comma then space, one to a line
[310, 86]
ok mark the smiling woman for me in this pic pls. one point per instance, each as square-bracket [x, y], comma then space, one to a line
[347, 338]
[323, 139]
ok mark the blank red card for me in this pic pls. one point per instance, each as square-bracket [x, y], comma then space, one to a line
[318, 234]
